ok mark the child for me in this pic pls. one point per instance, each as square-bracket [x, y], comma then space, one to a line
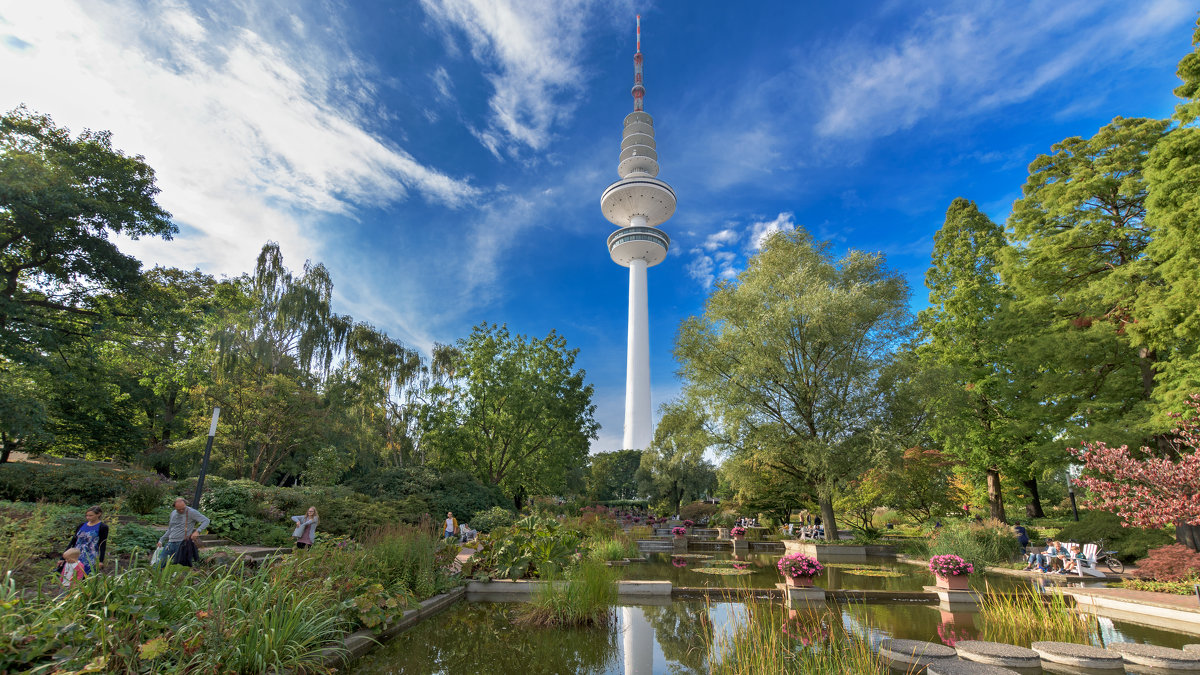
[72, 569]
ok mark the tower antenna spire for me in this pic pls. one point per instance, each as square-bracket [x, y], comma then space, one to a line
[638, 90]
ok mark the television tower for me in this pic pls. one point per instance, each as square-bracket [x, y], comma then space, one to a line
[637, 204]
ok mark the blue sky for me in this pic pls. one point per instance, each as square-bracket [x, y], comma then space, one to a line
[445, 158]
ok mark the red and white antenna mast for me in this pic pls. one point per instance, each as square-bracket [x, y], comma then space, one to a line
[638, 90]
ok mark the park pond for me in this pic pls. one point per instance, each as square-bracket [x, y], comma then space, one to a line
[477, 637]
[757, 570]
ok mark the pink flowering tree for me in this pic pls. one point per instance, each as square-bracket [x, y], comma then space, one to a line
[1149, 488]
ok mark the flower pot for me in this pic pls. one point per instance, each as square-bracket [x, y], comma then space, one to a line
[955, 583]
[799, 582]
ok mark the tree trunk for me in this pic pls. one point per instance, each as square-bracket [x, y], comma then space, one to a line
[827, 518]
[995, 497]
[1188, 535]
[1034, 508]
[5, 448]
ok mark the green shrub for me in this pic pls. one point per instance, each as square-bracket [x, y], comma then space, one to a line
[69, 482]
[616, 548]
[426, 490]
[125, 538]
[486, 521]
[145, 495]
[980, 543]
[1130, 543]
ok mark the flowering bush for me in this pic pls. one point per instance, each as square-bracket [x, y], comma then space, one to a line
[678, 531]
[1151, 489]
[737, 531]
[798, 565]
[949, 566]
[689, 522]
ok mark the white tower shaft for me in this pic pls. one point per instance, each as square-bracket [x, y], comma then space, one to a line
[637, 204]
[637, 362]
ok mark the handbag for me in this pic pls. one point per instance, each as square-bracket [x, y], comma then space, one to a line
[188, 554]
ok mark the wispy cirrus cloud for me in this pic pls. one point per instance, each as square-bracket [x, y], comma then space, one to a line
[975, 57]
[530, 53]
[255, 124]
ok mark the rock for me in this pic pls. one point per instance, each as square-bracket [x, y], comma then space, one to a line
[1081, 656]
[1192, 648]
[959, 667]
[905, 653]
[998, 654]
[1158, 657]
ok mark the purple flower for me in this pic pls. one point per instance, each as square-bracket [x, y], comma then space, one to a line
[798, 565]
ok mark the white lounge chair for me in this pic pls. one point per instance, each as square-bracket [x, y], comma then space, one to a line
[1088, 564]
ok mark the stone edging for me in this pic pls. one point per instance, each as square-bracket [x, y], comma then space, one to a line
[362, 642]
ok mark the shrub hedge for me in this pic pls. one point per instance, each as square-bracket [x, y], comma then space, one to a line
[1129, 542]
[66, 482]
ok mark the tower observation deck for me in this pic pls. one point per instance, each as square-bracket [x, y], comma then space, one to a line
[637, 204]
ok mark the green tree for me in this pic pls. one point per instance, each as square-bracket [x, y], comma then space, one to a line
[518, 413]
[62, 199]
[788, 361]
[988, 412]
[922, 486]
[611, 475]
[1078, 267]
[673, 469]
[1168, 315]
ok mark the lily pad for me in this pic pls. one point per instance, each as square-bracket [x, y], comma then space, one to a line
[853, 566]
[874, 573]
[690, 555]
[721, 571]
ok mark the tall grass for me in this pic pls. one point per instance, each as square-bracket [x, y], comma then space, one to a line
[400, 556]
[584, 597]
[172, 620]
[20, 539]
[617, 547]
[1027, 616]
[985, 543]
[773, 640]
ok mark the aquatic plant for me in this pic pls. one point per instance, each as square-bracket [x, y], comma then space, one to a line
[584, 597]
[1026, 615]
[723, 571]
[617, 547]
[773, 642]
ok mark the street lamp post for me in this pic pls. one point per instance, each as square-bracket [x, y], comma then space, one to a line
[212, 433]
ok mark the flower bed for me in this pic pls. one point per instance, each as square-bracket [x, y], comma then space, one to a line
[738, 531]
[679, 531]
[950, 566]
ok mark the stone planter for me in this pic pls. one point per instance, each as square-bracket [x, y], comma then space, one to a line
[681, 544]
[955, 583]
[798, 582]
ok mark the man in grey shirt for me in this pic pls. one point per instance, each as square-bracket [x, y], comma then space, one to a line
[181, 515]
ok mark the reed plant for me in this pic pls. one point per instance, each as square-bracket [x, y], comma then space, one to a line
[773, 640]
[1027, 615]
[616, 547]
[583, 596]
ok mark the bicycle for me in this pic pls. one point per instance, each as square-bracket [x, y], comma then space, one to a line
[1108, 558]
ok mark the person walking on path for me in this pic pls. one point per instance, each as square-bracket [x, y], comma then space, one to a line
[183, 518]
[450, 527]
[306, 527]
[91, 538]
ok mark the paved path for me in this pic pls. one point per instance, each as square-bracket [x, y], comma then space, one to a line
[1182, 602]
[463, 556]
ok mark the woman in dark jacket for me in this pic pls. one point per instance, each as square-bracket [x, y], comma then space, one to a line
[91, 538]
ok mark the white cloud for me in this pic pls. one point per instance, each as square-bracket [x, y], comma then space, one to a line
[721, 238]
[530, 52]
[701, 268]
[255, 134]
[759, 231]
[441, 80]
[980, 56]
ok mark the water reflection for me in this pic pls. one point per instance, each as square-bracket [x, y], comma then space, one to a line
[675, 638]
